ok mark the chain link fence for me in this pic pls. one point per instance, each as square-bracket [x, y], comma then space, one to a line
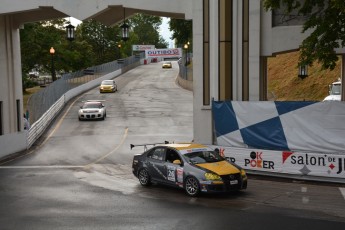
[41, 101]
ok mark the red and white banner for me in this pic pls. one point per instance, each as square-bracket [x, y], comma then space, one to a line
[165, 53]
[288, 162]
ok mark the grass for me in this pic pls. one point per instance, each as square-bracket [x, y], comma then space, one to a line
[27, 93]
[285, 85]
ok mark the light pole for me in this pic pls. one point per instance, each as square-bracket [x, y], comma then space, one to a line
[188, 59]
[186, 49]
[119, 46]
[52, 52]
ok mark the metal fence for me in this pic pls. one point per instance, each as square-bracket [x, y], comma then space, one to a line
[186, 68]
[41, 101]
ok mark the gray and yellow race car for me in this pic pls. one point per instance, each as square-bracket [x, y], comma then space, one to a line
[194, 167]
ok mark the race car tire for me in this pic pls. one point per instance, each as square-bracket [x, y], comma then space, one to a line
[144, 177]
[192, 186]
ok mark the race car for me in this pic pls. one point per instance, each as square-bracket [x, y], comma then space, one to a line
[196, 168]
[92, 110]
[166, 64]
[108, 86]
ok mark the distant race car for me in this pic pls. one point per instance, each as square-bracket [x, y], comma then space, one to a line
[194, 167]
[108, 86]
[167, 64]
[92, 110]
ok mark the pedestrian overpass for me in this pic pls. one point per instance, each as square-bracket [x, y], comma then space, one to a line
[231, 42]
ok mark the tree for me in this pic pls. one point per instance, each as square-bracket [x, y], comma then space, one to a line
[36, 40]
[326, 20]
[145, 29]
[102, 39]
[182, 31]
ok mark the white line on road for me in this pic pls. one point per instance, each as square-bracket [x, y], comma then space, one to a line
[43, 166]
[342, 190]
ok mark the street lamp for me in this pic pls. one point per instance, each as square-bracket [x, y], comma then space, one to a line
[70, 32]
[52, 52]
[125, 27]
[186, 48]
[119, 46]
[303, 71]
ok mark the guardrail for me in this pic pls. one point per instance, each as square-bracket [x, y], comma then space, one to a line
[41, 124]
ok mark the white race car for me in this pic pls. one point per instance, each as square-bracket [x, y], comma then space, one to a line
[92, 110]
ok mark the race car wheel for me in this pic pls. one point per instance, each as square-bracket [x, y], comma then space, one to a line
[144, 177]
[192, 186]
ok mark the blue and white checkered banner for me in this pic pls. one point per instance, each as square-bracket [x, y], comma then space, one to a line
[287, 126]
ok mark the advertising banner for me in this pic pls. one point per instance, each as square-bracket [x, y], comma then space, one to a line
[165, 53]
[287, 162]
[142, 47]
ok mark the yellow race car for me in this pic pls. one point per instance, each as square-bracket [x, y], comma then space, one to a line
[193, 167]
[167, 64]
[108, 86]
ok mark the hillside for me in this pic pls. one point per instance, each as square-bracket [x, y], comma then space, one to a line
[285, 85]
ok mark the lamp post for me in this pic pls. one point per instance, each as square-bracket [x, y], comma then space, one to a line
[52, 52]
[188, 59]
[119, 46]
[186, 49]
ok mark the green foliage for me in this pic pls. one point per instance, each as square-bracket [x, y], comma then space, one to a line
[102, 41]
[182, 31]
[146, 29]
[27, 82]
[94, 44]
[326, 20]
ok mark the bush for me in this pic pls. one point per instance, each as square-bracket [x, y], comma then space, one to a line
[28, 83]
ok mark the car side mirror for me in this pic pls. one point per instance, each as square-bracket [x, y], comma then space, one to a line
[177, 162]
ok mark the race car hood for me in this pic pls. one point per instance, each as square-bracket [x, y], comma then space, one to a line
[106, 86]
[221, 167]
[90, 110]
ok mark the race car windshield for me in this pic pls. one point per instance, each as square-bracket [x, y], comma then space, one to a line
[203, 157]
[91, 106]
[107, 83]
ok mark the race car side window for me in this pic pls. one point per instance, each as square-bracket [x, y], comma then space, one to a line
[157, 154]
[172, 155]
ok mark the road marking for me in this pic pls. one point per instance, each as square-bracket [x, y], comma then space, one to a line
[47, 138]
[113, 150]
[43, 166]
[62, 166]
[342, 190]
[305, 199]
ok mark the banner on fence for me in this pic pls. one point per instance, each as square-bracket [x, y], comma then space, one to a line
[287, 162]
[286, 126]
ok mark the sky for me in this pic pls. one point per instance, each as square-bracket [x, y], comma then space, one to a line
[163, 30]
